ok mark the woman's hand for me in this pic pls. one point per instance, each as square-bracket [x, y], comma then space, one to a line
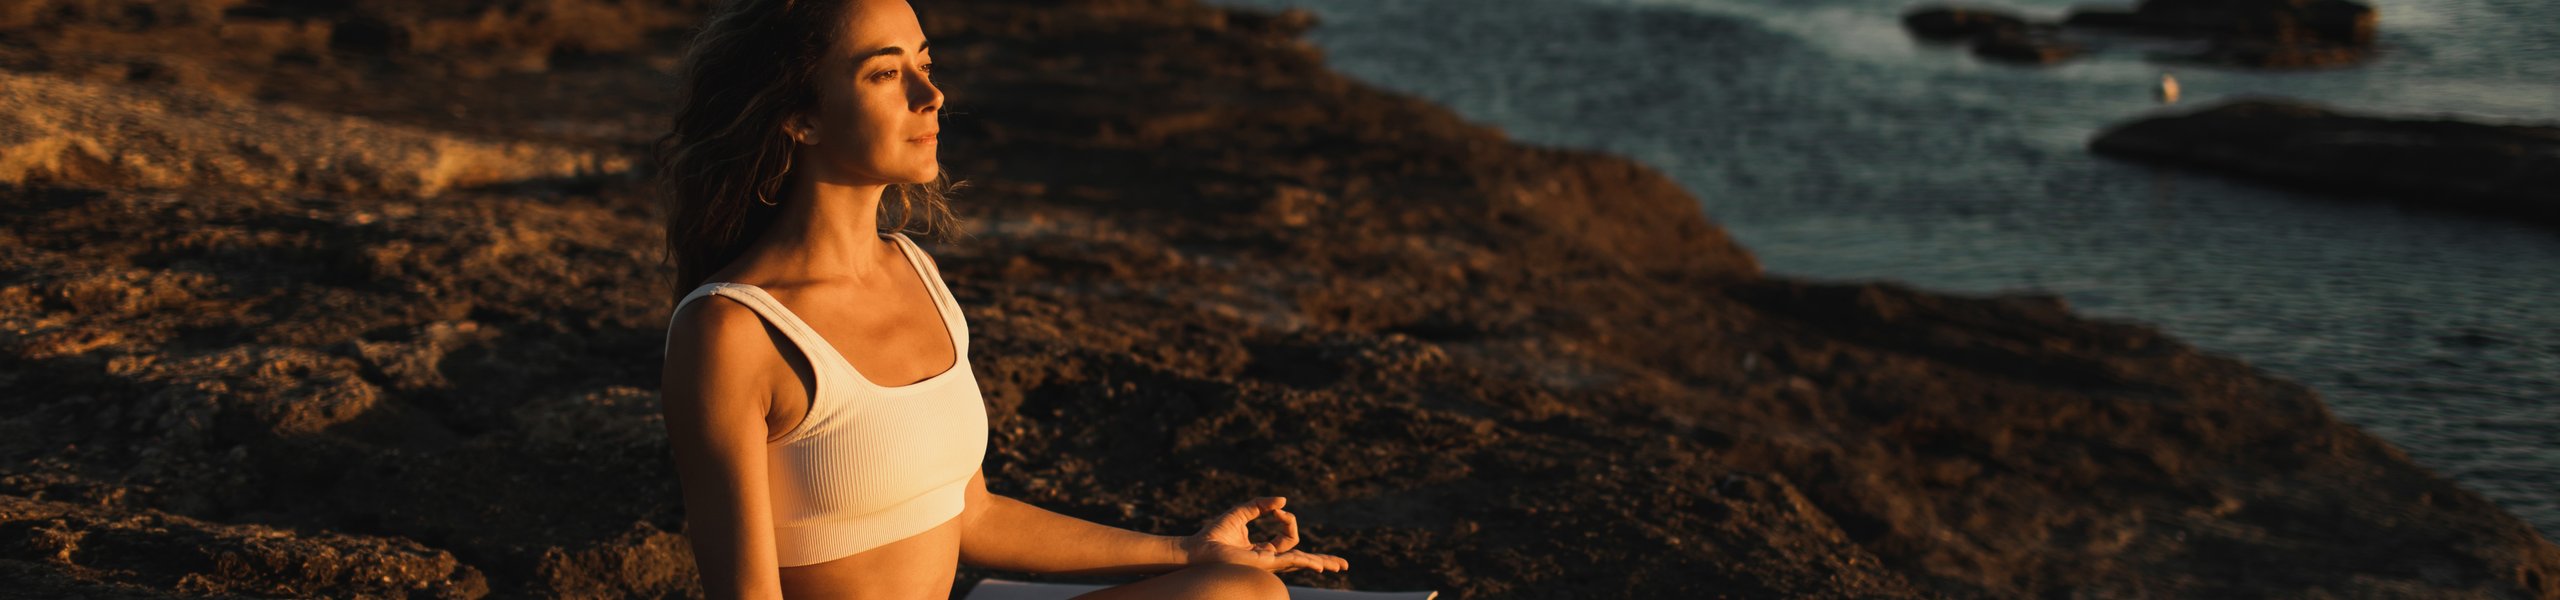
[1225, 540]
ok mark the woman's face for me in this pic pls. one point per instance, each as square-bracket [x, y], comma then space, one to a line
[875, 120]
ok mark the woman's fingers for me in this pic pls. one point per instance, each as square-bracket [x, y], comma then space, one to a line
[1294, 560]
[1277, 554]
[1233, 527]
[1243, 513]
[1288, 535]
[1229, 526]
[1233, 522]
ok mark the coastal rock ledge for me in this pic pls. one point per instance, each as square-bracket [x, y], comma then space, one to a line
[2501, 170]
[1198, 266]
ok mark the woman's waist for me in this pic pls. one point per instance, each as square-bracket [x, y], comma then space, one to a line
[919, 566]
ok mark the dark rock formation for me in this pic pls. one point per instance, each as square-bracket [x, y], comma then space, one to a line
[2504, 170]
[66, 550]
[2026, 47]
[1992, 33]
[1476, 366]
[1960, 22]
[2255, 33]
[2291, 21]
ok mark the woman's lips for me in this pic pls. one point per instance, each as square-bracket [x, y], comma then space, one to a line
[927, 138]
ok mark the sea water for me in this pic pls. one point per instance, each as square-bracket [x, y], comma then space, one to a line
[1836, 146]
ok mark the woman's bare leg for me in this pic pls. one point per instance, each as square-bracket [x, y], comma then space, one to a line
[1199, 582]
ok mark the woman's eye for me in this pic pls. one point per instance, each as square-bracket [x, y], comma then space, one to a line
[884, 75]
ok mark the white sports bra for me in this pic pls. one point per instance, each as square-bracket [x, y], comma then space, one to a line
[870, 464]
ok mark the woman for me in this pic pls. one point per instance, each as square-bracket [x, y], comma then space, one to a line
[826, 426]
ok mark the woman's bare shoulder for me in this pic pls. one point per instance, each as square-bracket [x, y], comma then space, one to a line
[722, 374]
[716, 337]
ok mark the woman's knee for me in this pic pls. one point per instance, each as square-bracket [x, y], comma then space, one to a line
[1241, 582]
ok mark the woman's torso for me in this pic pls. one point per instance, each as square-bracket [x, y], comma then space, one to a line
[920, 566]
[900, 388]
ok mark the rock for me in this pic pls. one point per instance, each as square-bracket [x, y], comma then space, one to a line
[2256, 33]
[147, 549]
[2280, 55]
[1942, 22]
[82, 133]
[2107, 17]
[2502, 170]
[478, 39]
[1994, 34]
[2276, 34]
[2025, 47]
[2296, 21]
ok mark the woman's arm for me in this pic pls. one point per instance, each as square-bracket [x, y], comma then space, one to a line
[1002, 533]
[714, 400]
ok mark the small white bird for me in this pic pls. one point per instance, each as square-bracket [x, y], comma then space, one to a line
[2168, 89]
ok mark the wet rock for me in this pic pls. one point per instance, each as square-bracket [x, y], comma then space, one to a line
[2255, 33]
[1992, 33]
[1940, 22]
[2273, 34]
[2026, 47]
[2510, 171]
[2293, 21]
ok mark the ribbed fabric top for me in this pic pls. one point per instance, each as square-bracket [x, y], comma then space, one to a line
[870, 464]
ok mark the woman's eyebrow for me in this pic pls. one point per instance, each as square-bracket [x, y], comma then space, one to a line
[890, 51]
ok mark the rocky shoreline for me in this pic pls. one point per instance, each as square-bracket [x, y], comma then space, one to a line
[1201, 266]
[2440, 163]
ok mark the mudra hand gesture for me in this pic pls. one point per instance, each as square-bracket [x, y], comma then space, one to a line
[1225, 540]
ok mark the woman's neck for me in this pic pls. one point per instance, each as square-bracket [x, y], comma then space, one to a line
[826, 231]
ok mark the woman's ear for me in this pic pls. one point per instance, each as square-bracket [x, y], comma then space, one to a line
[802, 129]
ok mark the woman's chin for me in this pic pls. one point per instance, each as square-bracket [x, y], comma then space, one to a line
[926, 175]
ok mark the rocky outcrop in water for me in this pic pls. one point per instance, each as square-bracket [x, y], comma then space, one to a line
[1993, 33]
[2271, 34]
[2501, 170]
[1477, 366]
[2257, 33]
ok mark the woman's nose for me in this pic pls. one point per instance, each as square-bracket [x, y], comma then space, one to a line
[924, 94]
